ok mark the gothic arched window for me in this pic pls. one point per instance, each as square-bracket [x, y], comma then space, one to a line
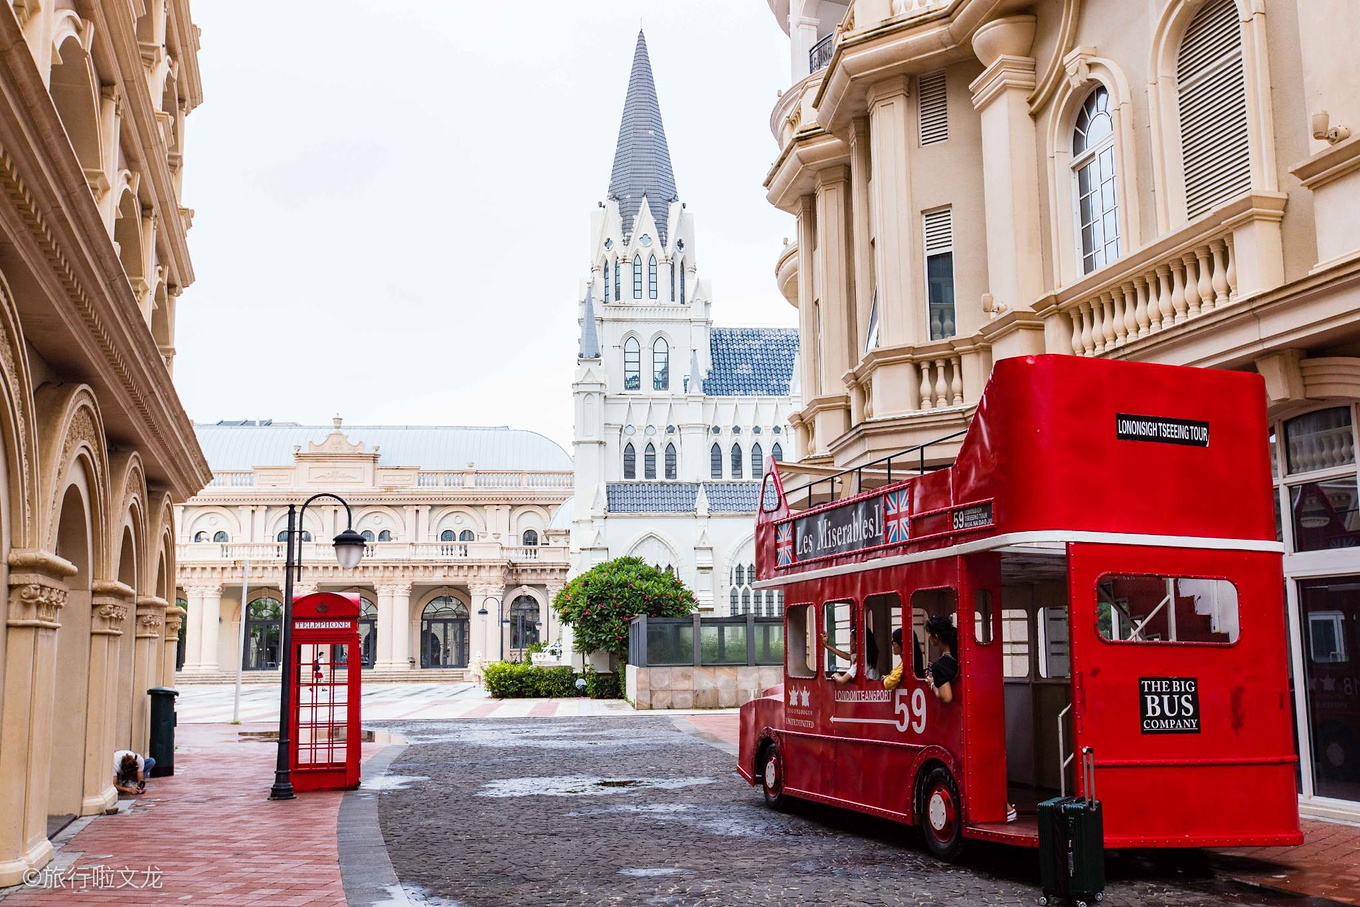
[715, 462]
[651, 277]
[672, 280]
[649, 462]
[682, 283]
[637, 276]
[736, 461]
[618, 286]
[606, 282]
[777, 452]
[629, 461]
[671, 461]
[661, 365]
[757, 460]
[632, 364]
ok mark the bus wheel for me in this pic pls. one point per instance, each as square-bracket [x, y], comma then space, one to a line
[941, 815]
[771, 773]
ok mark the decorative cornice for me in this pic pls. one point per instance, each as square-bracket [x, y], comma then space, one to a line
[1005, 73]
[38, 590]
[1329, 164]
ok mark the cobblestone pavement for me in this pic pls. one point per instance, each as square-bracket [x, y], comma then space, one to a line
[642, 811]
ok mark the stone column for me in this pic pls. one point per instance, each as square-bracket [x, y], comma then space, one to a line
[193, 634]
[401, 626]
[833, 292]
[1010, 171]
[382, 660]
[110, 602]
[212, 620]
[37, 595]
[174, 619]
[898, 261]
[146, 662]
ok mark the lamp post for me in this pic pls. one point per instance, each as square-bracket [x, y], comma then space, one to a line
[349, 550]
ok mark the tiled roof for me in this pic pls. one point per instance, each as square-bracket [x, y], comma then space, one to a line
[680, 497]
[230, 446]
[751, 362]
[642, 161]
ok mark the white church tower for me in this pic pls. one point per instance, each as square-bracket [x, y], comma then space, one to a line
[674, 417]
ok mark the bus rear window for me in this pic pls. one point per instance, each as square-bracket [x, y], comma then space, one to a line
[1166, 609]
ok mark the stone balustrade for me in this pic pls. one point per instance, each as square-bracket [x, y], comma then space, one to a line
[313, 552]
[941, 380]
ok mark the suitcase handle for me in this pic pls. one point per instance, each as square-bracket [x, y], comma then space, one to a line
[1088, 761]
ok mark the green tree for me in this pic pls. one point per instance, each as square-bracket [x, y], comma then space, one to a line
[598, 604]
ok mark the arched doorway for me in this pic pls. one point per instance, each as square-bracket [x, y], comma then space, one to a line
[264, 626]
[444, 634]
[523, 624]
[68, 716]
[181, 602]
[368, 630]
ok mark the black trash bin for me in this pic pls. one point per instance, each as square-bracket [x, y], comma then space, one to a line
[162, 745]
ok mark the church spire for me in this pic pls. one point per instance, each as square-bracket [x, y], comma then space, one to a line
[642, 161]
[590, 339]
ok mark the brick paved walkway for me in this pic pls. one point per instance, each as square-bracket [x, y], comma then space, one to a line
[212, 834]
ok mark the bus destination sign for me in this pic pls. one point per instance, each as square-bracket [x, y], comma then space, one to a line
[839, 530]
[1161, 429]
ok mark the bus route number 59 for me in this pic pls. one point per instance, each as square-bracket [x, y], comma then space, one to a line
[913, 717]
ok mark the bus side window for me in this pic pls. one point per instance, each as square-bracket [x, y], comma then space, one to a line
[1014, 643]
[925, 604]
[802, 641]
[882, 615]
[982, 616]
[1052, 638]
[840, 633]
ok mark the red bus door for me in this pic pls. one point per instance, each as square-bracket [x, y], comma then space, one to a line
[983, 700]
[1180, 688]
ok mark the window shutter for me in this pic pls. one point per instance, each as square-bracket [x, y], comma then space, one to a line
[932, 108]
[939, 231]
[1212, 98]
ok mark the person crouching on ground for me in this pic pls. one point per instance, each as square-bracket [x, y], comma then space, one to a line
[130, 772]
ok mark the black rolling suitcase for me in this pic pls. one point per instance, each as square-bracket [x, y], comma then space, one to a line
[1072, 843]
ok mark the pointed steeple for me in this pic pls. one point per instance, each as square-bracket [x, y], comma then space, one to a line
[695, 383]
[642, 162]
[590, 338]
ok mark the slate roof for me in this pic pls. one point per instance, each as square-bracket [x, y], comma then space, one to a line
[642, 161]
[680, 497]
[230, 446]
[751, 362]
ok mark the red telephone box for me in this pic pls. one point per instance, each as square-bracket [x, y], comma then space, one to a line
[325, 727]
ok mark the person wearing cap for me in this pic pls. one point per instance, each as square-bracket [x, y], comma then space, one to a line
[944, 670]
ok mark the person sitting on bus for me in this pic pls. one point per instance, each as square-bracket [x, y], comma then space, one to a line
[893, 680]
[870, 655]
[849, 673]
[944, 670]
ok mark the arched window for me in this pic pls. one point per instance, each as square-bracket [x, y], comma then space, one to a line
[672, 280]
[444, 634]
[651, 277]
[632, 365]
[661, 365]
[523, 622]
[264, 622]
[606, 281]
[682, 283]
[736, 461]
[757, 460]
[1211, 93]
[629, 461]
[529, 538]
[649, 462]
[715, 462]
[385, 535]
[671, 462]
[777, 452]
[637, 276]
[618, 286]
[368, 536]
[283, 535]
[220, 536]
[447, 535]
[368, 631]
[202, 536]
[1093, 173]
[467, 535]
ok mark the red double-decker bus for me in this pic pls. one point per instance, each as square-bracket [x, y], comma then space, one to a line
[1103, 546]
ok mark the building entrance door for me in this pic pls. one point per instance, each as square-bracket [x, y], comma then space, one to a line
[444, 641]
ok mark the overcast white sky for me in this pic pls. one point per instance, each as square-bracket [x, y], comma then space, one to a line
[393, 199]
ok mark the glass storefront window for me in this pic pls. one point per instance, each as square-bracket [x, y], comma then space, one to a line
[1330, 610]
[1320, 440]
[1325, 514]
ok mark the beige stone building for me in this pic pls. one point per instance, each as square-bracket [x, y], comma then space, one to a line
[94, 445]
[462, 529]
[1173, 181]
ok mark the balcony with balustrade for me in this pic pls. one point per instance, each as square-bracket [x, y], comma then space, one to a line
[376, 553]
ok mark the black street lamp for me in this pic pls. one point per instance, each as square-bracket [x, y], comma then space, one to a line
[349, 550]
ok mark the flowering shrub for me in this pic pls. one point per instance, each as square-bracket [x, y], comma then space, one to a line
[598, 604]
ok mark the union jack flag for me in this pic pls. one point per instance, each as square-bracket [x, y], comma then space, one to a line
[896, 506]
[783, 544]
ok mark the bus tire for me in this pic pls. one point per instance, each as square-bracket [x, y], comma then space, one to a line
[770, 772]
[941, 814]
